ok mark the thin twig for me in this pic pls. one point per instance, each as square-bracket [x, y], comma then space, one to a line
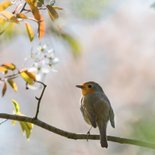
[28, 10]
[75, 136]
[33, 19]
[3, 121]
[40, 98]
[23, 7]
[12, 76]
[42, 8]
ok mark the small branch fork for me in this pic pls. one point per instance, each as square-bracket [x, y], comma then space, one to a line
[75, 136]
[23, 8]
[40, 98]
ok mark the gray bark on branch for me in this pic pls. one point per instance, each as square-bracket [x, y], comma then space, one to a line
[74, 136]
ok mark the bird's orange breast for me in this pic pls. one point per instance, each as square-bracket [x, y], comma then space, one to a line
[86, 91]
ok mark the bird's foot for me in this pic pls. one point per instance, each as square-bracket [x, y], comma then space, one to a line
[88, 133]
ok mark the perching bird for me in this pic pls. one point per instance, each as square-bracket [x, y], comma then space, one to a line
[96, 109]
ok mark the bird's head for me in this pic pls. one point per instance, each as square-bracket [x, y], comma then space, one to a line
[90, 88]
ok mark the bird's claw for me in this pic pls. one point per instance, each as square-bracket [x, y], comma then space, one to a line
[88, 133]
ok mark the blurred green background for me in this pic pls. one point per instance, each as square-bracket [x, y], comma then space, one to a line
[116, 40]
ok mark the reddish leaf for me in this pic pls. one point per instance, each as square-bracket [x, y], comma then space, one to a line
[33, 2]
[3, 69]
[4, 89]
[21, 15]
[34, 9]
[38, 17]
[9, 66]
[41, 28]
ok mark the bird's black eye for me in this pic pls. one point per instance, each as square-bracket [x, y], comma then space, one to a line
[89, 86]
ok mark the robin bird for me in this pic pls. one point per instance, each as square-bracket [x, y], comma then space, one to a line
[96, 109]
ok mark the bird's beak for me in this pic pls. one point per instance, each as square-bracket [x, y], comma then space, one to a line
[79, 86]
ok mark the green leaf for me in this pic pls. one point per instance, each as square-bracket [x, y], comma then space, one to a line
[153, 5]
[26, 128]
[13, 122]
[57, 8]
[9, 29]
[40, 3]
[5, 4]
[16, 106]
[29, 31]
[2, 22]
[12, 84]
[73, 43]
[52, 12]
[9, 16]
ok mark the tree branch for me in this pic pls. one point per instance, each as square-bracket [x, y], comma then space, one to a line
[75, 136]
[39, 98]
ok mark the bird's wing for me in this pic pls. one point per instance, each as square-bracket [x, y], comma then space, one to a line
[101, 108]
[111, 113]
[104, 110]
[88, 113]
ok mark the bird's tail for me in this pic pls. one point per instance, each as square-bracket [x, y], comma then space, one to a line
[103, 137]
